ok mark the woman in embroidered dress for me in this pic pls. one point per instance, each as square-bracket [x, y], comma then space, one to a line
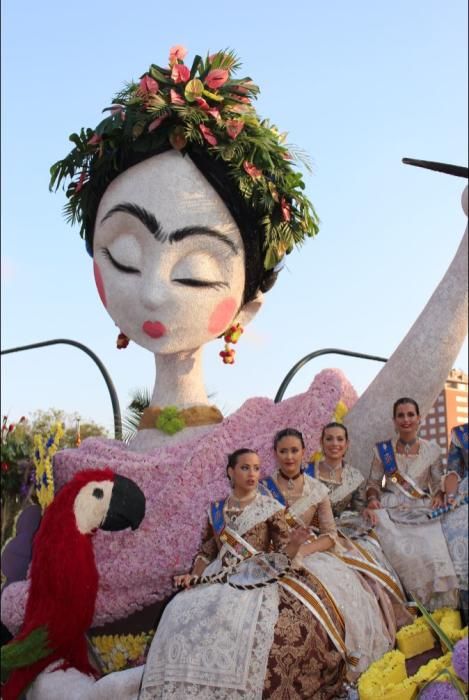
[216, 641]
[346, 486]
[406, 483]
[368, 635]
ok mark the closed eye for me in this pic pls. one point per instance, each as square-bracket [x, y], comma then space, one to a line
[119, 266]
[189, 282]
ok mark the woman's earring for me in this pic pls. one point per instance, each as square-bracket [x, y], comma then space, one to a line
[232, 335]
[122, 341]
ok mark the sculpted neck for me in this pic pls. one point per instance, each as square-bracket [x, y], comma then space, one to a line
[179, 380]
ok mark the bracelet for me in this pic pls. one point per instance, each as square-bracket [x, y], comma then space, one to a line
[451, 495]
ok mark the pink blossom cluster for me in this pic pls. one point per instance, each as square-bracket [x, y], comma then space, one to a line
[179, 481]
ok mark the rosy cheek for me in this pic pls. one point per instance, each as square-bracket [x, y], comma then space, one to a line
[221, 316]
[99, 283]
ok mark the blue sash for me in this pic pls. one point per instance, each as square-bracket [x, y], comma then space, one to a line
[218, 518]
[462, 433]
[387, 456]
[270, 484]
[310, 470]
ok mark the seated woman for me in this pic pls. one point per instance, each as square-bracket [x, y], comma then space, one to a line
[406, 482]
[346, 486]
[454, 523]
[306, 502]
[258, 640]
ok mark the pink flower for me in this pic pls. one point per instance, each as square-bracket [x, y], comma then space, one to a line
[252, 170]
[214, 112]
[180, 73]
[286, 211]
[234, 127]
[208, 135]
[94, 140]
[176, 98]
[147, 86]
[216, 78]
[177, 53]
[156, 122]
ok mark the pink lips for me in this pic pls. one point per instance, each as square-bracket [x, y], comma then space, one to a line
[154, 329]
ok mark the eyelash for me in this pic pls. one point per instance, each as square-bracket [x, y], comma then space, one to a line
[118, 265]
[200, 283]
[187, 282]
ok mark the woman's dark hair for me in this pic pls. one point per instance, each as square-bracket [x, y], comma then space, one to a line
[233, 457]
[334, 424]
[405, 399]
[288, 432]
[217, 173]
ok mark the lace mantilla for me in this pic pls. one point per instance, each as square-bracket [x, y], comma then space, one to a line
[262, 508]
[351, 479]
[313, 493]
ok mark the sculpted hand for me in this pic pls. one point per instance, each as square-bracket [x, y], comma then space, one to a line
[183, 581]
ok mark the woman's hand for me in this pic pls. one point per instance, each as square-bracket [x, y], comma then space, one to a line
[369, 514]
[297, 537]
[373, 503]
[183, 581]
[438, 500]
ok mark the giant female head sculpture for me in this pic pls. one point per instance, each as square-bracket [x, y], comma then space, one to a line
[188, 202]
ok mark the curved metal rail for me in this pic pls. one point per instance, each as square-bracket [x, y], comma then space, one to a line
[317, 353]
[106, 376]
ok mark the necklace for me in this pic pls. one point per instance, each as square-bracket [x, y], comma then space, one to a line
[290, 479]
[332, 470]
[238, 501]
[407, 444]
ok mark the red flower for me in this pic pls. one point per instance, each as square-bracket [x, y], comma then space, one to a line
[234, 127]
[208, 135]
[286, 211]
[156, 122]
[11, 427]
[177, 53]
[216, 78]
[95, 139]
[203, 104]
[81, 181]
[214, 112]
[5, 466]
[180, 73]
[176, 98]
[252, 170]
[22, 419]
[147, 86]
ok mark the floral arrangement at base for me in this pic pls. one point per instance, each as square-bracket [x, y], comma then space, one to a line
[439, 679]
[418, 637]
[118, 651]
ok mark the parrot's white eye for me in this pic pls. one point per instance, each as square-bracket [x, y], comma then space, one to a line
[92, 504]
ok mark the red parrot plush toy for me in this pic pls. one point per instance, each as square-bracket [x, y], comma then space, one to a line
[64, 578]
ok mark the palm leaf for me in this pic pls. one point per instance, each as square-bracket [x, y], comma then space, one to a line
[434, 626]
[25, 652]
[140, 401]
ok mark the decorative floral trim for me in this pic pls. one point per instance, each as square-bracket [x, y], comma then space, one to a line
[118, 651]
[44, 450]
[204, 108]
[171, 419]
[386, 679]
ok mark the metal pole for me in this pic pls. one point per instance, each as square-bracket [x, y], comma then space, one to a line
[326, 351]
[97, 361]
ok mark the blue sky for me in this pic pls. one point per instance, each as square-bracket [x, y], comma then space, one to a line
[357, 85]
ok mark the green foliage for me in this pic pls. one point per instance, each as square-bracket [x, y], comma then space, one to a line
[140, 401]
[25, 652]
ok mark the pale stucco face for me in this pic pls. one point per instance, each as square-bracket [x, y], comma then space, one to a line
[169, 263]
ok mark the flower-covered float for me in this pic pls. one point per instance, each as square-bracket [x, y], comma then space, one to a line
[188, 203]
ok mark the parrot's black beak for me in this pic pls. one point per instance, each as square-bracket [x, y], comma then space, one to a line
[127, 506]
[456, 170]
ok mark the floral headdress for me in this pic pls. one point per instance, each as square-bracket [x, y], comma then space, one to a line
[190, 109]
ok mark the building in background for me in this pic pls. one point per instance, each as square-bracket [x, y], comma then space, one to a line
[449, 410]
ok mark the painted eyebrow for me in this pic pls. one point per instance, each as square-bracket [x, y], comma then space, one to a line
[152, 224]
[182, 233]
[146, 217]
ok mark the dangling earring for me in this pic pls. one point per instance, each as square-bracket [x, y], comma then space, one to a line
[232, 335]
[122, 341]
